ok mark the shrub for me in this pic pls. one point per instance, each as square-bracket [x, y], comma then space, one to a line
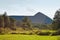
[43, 33]
[56, 33]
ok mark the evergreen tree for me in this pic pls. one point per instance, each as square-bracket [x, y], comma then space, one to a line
[56, 20]
[6, 20]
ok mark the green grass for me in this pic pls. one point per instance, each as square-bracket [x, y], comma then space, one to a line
[28, 37]
[48, 30]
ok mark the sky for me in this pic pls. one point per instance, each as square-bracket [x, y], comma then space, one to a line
[29, 7]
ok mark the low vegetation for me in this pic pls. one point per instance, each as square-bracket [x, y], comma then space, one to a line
[28, 37]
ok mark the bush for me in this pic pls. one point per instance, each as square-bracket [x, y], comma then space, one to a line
[43, 33]
[56, 33]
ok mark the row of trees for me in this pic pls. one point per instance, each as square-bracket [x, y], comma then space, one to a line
[12, 24]
[7, 22]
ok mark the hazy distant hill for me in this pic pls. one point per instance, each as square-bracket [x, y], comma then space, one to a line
[39, 18]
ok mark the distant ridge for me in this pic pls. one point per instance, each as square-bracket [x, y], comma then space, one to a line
[41, 18]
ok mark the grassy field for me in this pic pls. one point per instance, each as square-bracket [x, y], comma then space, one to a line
[28, 37]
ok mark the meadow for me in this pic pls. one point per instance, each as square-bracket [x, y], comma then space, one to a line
[27, 37]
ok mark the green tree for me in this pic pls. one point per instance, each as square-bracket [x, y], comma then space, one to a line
[26, 23]
[12, 24]
[6, 20]
[56, 20]
[1, 21]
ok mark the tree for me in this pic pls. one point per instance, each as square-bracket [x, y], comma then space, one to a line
[12, 24]
[6, 20]
[1, 21]
[56, 20]
[26, 23]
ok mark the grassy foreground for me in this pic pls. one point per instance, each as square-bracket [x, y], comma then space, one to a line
[28, 37]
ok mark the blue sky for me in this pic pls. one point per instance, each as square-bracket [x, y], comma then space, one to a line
[29, 7]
